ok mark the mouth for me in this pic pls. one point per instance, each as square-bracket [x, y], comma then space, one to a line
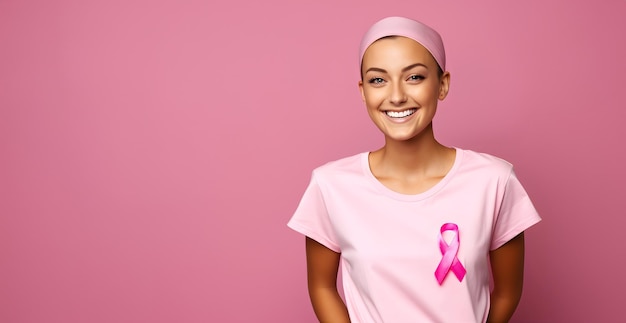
[400, 114]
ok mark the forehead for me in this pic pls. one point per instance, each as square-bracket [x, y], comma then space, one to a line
[394, 50]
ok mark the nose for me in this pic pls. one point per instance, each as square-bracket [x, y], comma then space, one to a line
[398, 94]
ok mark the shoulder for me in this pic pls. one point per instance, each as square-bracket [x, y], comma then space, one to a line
[482, 163]
[341, 167]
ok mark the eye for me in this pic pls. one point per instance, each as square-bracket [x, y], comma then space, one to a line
[415, 77]
[376, 80]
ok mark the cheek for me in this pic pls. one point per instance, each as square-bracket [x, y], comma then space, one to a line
[425, 92]
[374, 98]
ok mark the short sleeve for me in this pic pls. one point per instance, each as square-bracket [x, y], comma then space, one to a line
[515, 215]
[312, 219]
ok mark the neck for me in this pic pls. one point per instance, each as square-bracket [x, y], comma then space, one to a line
[415, 155]
[412, 166]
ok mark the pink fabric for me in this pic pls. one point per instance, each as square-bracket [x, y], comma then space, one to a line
[389, 242]
[400, 26]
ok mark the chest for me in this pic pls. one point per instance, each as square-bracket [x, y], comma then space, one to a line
[380, 230]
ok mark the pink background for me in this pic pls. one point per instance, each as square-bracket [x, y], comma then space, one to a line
[153, 151]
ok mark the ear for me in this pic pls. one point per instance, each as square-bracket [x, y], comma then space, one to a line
[361, 89]
[444, 85]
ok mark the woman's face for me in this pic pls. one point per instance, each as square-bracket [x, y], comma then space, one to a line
[401, 86]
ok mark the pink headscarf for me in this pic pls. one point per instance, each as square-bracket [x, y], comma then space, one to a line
[399, 26]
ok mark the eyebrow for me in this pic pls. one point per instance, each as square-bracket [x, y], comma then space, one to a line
[377, 69]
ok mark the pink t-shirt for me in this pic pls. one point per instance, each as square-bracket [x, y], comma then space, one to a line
[389, 242]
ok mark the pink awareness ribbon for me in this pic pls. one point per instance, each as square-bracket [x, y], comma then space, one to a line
[449, 260]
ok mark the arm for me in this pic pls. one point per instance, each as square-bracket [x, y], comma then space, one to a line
[322, 266]
[507, 266]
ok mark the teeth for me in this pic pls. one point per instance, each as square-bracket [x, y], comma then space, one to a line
[400, 114]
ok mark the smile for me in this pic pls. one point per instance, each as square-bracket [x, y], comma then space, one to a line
[400, 114]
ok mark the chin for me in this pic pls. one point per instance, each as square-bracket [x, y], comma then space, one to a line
[400, 137]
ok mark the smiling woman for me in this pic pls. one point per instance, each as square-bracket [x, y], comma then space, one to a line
[417, 226]
[402, 86]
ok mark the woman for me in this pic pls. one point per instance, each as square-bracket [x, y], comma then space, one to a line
[417, 226]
